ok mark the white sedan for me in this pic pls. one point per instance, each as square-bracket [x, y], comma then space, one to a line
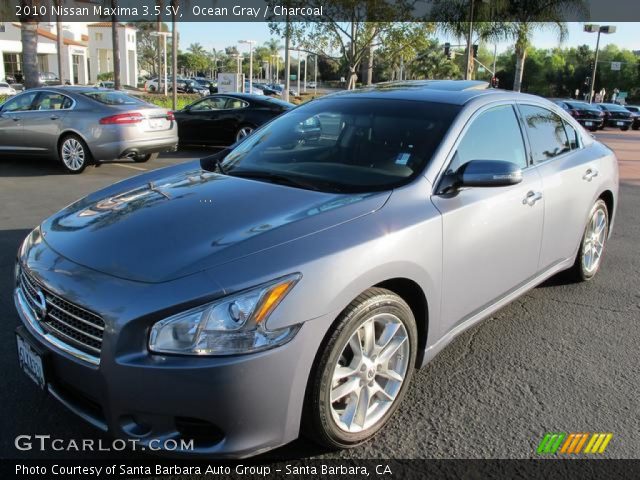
[6, 89]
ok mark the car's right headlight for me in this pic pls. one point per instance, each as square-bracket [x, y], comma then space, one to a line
[231, 325]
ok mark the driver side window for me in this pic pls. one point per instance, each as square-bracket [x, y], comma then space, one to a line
[20, 103]
[494, 135]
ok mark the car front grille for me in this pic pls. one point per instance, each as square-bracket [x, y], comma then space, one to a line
[67, 322]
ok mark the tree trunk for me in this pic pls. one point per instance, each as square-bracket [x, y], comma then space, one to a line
[115, 42]
[29, 37]
[521, 55]
[370, 65]
[60, 44]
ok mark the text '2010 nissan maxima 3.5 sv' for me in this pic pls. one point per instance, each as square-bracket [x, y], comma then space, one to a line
[293, 282]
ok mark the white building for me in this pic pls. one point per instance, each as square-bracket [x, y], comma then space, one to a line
[101, 52]
[87, 51]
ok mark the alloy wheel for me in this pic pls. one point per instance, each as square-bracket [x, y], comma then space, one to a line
[594, 240]
[73, 154]
[244, 132]
[369, 373]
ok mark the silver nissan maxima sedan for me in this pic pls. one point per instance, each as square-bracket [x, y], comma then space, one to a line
[79, 126]
[295, 280]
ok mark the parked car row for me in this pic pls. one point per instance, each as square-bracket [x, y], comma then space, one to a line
[596, 116]
[83, 125]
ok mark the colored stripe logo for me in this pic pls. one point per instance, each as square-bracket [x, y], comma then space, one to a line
[574, 443]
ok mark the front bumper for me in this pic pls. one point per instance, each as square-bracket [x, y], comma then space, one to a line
[614, 122]
[231, 406]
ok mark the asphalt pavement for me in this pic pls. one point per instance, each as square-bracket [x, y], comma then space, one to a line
[562, 358]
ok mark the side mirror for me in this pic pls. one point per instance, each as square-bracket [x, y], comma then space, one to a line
[488, 173]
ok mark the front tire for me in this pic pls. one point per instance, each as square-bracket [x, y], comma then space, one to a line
[74, 154]
[362, 372]
[592, 245]
[624, 129]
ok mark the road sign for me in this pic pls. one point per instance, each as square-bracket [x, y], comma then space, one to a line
[616, 66]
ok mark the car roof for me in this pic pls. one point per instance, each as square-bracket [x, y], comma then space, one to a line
[456, 92]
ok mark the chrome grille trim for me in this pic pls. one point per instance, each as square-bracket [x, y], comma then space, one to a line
[79, 329]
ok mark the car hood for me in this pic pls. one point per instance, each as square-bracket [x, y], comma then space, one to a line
[177, 221]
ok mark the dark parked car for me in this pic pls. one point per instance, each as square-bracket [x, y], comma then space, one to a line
[225, 118]
[189, 86]
[587, 115]
[615, 116]
[635, 113]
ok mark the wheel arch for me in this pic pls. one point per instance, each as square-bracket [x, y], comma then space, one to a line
[64, 134]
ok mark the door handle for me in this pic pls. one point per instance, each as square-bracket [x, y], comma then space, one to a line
[531, 198]
[15, 119]
[590, 174]
[54, 117]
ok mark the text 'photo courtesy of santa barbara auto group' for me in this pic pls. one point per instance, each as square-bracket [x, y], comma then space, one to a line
[333, 239]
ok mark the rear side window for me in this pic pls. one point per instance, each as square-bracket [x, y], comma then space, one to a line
[547, 135]
[53, 101]
[572, 137]
[493, 135]
[113, 98]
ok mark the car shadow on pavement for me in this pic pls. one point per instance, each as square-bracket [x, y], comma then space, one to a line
[25, 166]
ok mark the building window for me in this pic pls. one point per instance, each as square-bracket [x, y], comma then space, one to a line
[43, 63]
[12, 64]
[99, 37]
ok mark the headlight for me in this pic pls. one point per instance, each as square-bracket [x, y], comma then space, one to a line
[231, 325]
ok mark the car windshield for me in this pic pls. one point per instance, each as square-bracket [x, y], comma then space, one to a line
[113, 98]
[615, 108]
[344, 145]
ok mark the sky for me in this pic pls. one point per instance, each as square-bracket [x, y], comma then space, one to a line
[220, 35]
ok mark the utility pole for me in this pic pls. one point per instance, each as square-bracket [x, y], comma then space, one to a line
[606, 29]
[287, 61]
[174, 50]
[315, 75]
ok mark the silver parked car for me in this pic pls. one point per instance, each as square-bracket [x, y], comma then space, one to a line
[296, 279]
[82, 125]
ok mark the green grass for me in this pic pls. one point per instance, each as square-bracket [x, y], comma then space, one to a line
[167, 102]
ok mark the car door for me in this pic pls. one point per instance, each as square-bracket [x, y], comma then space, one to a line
[200, 123]
[567, 169]
[491, 235]
[43, 124]
[12, 115]
[233, 118]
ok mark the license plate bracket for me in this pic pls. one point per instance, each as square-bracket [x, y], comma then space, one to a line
[32, 360]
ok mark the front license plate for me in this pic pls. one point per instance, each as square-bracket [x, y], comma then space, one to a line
[588, 124]
[30, 361]
[620, 124]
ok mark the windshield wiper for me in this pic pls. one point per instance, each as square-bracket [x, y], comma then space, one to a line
[214, 162]
[277, 178]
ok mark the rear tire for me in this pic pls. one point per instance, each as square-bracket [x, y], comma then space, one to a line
[362, 370]
[152, 89]
[624, 129]
[593, 129]
[73, 153]
[592, 245]
[145, 158]
[636, 127]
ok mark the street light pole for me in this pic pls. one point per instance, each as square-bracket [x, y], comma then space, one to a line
[250, 42]
[164, 36]
[298, 75]
[607, 29]
[315, 75]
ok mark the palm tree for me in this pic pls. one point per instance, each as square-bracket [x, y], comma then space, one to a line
[29, 37]
[59, 41]
[196, 49]
[532, 15]
[115, 41]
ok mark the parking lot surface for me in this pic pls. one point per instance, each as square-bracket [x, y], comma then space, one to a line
[563, 358]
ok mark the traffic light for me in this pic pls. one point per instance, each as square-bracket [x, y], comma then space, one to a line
[475, 51]
[447, 50]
